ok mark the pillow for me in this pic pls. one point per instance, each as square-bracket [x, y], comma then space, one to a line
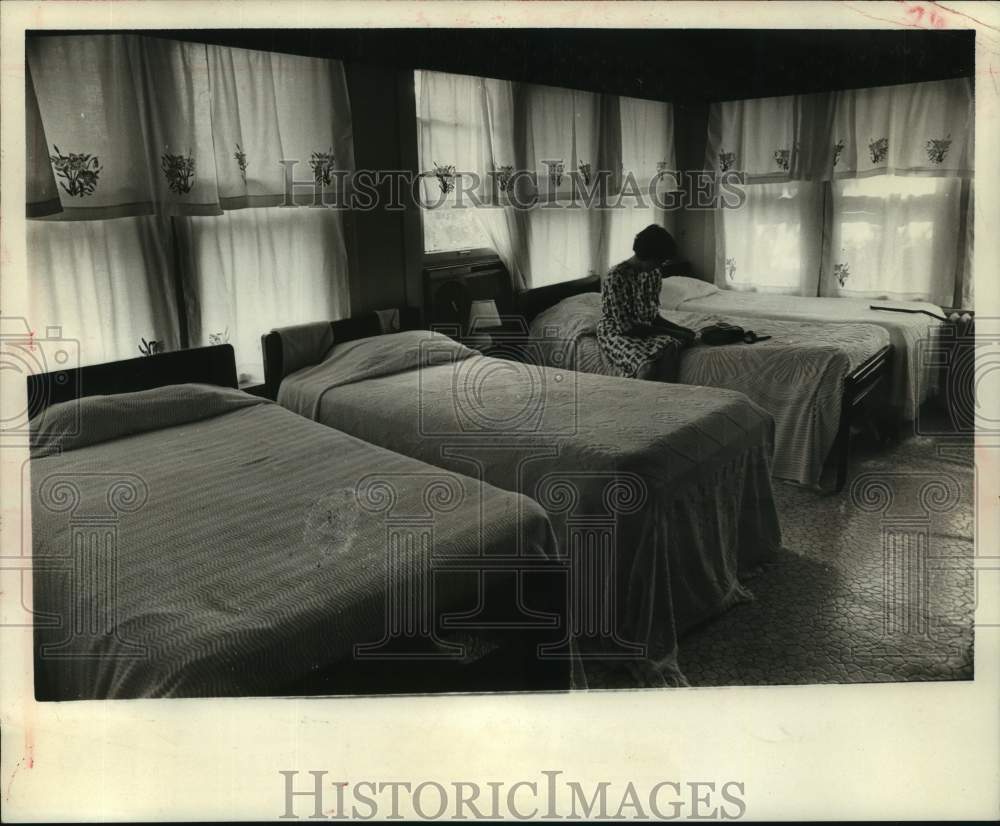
[368, 358]
[93, 419]
[677, 289]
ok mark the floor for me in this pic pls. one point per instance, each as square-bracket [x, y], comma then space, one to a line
[874, 584]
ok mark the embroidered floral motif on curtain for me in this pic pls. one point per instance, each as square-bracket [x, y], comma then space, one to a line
[911, 129]
[322, 166]
[445, 174]
[79, 172]
[241, 161]
[179, 172]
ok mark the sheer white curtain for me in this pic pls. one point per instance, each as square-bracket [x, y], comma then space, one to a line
[894, 237]
[506, 226]
[648, 156]
[864, 192]
[107, 284]
[898, 225]
[250, 270]
[773, 242]
[562, 128]
[139, 127]
[452, 146]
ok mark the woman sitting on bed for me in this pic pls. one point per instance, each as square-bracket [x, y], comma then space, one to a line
[634, 338]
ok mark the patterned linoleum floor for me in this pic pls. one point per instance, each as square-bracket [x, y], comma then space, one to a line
[874, 584]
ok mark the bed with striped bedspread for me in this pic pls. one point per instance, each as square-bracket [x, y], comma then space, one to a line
[663, 489]
[797, 375]
[230, 547]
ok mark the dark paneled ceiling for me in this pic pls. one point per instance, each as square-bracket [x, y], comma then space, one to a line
[681, 65]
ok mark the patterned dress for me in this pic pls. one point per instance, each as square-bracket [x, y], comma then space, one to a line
[631, 298]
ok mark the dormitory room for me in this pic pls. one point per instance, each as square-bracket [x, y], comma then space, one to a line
[395, 361]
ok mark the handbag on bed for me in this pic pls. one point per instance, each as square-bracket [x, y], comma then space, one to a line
[723, 333]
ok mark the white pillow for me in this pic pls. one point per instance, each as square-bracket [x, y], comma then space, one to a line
[676, 289]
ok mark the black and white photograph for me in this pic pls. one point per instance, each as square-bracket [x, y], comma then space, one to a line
[498, 363]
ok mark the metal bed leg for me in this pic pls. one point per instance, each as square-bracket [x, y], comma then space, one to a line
[843, 451]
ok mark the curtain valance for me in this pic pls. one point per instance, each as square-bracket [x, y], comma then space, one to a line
[125, 125]
[911, 129]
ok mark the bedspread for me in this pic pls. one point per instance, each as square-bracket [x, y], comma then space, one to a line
[235, 551]
[797, 375]
[913, 377]
[663, 489]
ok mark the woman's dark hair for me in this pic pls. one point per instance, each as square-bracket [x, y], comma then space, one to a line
[654, 243]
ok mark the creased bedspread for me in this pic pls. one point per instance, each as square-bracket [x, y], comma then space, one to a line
[241, 551]
[797, 375]
[665, 489]
[913, 378]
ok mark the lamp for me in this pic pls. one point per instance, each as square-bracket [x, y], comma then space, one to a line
[483, 316]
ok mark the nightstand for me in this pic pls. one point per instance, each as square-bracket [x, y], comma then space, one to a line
[955, 355]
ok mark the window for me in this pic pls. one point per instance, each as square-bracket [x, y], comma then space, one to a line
[772, 242]
[571, 139]
[106, 284]
[860, 192]
[164, 229]
[450, 133]
[251, 270]
[895, 237]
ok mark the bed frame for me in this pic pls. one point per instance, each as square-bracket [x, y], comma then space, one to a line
[346, 329]
[201, 365]
[858, 385]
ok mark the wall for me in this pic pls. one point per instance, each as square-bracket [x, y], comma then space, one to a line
[385, 245]
[695, 228]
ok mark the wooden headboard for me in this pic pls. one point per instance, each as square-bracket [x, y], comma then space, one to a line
[531, 302]
[345, 329]
[200, 365]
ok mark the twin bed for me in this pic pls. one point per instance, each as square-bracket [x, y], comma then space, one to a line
[912, 327]
[190, 539]
[659, 494]
[824, 359]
